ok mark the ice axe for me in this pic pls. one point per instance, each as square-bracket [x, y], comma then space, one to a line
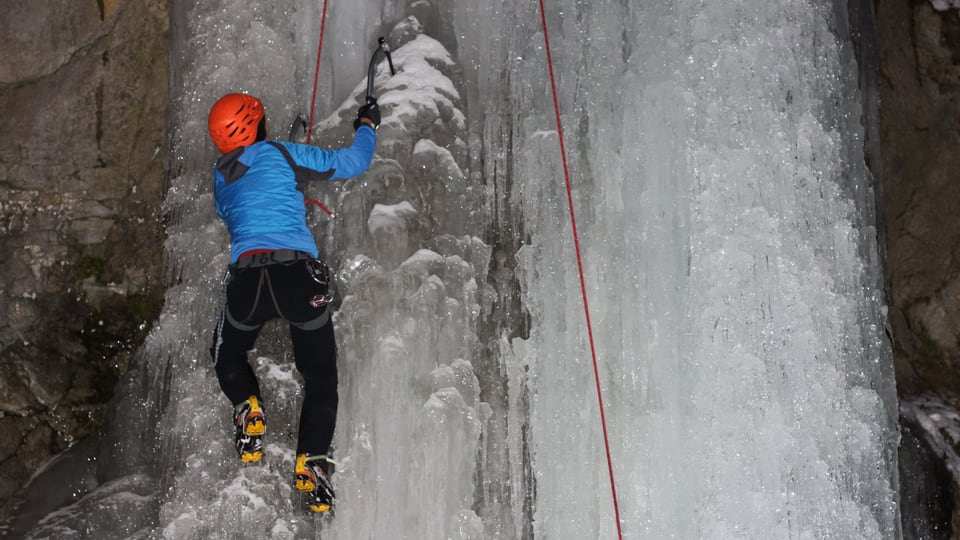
[301, 123]
[382, 47]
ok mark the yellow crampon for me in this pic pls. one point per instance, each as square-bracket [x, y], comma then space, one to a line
[251, 457]
[307, 482]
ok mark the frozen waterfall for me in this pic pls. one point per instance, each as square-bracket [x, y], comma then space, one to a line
[730, 253]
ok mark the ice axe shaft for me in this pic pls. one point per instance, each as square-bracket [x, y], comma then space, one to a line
[382, 47]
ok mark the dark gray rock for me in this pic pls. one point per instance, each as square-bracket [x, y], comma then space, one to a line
[920, 134]
[82, 102]
[920, 94]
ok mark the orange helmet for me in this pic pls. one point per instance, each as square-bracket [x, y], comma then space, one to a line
[234, 120]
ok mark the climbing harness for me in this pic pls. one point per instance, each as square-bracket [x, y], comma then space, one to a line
[265, 258]
[583, 286]
[318, 270]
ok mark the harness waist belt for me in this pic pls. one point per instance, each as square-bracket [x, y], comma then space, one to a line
[270, 257]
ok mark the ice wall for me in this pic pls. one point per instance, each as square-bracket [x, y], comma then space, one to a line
[726, 220]
[716, 152]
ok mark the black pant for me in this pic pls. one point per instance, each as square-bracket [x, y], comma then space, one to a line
[285, 290]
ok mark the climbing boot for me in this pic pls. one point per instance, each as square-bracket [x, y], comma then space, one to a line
[311, 478]
[250, 423]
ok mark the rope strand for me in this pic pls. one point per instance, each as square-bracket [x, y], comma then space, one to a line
[316, 74]
[583, 286]
[321, 205]
[313, 100]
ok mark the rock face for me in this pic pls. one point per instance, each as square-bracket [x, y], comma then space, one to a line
[82, 98]
[920, 134]
[920, 92]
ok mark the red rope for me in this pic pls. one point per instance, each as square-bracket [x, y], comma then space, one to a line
[313, 99]
[316, 74]
[583, 286]
[321, 205]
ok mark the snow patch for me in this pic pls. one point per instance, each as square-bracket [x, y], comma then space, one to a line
[390, 218]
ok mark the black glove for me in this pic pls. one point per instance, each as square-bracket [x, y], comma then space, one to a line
[370, 111]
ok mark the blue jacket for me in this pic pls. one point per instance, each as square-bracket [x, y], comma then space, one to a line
[257, 193]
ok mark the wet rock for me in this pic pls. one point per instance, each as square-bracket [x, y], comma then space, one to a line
[82, 100]
[920, 132]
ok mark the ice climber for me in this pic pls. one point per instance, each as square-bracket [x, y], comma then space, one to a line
[275, 272]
